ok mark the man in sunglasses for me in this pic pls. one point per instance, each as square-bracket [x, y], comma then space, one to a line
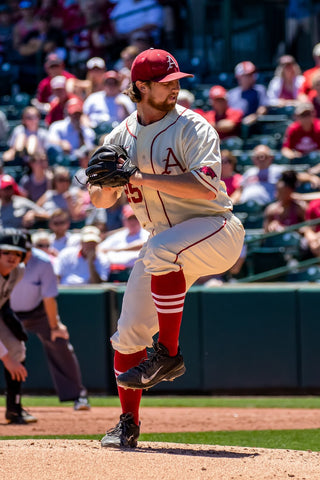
[13, 249]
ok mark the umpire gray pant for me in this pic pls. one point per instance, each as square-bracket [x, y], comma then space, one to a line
[63, 363]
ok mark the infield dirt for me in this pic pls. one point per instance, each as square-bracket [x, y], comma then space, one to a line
[86, 460]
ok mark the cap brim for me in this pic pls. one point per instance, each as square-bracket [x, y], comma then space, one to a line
[12, 247]
[172, 76]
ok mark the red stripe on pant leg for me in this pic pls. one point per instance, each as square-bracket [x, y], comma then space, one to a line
[129, 399]
[172, 283]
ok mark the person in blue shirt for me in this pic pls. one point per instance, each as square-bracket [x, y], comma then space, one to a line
[34, 301]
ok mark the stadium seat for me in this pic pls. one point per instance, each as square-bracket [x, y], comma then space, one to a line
[263, 259]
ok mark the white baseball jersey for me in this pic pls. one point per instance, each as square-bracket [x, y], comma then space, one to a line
[202, 237]
[183, 141]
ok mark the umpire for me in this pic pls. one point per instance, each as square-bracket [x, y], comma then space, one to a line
[34, 301]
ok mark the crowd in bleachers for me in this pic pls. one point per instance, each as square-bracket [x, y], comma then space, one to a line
[63, 68]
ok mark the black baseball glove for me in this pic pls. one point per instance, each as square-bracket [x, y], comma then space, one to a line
[104, 169]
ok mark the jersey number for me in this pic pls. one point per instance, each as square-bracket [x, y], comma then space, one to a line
[133, 193]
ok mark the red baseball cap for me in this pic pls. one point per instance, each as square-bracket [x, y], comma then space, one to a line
[244, 68]
[8, 181]
[74, 105]
[217, 91]
[156, 65]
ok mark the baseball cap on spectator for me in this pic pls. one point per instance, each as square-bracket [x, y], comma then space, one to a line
[112, 74]
[217, 91]
[90, 234]
[244, 68]
[303, 107]
[127, 212]
[156, 65]
[74, 105]
[316, 50]
[53, 59]
[8, 181]
[96, 62]
[286, 60]
[58, 82]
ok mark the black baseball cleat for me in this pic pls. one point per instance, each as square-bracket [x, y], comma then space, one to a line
[124, 434]
[158, 367]
[20, 418]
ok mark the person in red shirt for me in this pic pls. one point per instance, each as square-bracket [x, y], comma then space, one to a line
[54, 66]
[224, 119]
[61, 96]
[303, 135]
[312, 233]
[231, 178]
[306, 86]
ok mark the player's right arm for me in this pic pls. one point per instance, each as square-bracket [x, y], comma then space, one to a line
[104, 197]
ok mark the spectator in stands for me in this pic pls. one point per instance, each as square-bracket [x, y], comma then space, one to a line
[311, 234]
[54, 66]
[94, 81]
[258, 183]
[6, 33]
[42, 241]
[231, 178]
[308, 74]
[91, 37]
[27, 23]
[85, 264]
[222, 117]
[63, 196]
[61, 237]
[28, 138]
[96, 69]
[249, 96]
[71, 133]
[127, 55]
[57, 110]
[39, 179]
[285, 211]
[314, 94]
[186, 99]
[284, 86]
[4, 126]
[303, 135]
[123, 246]
[17, 211]
[131, 16]
[109, 105]
[80, 178]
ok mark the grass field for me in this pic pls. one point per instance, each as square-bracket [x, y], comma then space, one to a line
[283, 439]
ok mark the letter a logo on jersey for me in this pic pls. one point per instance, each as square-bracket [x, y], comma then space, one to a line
[171, 161]
[171, 64]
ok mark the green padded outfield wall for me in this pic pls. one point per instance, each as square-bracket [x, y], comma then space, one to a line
[309, 312]
[235, 339]
[249, 338]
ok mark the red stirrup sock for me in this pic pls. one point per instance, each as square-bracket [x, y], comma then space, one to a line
[168, 293]
[129, 399]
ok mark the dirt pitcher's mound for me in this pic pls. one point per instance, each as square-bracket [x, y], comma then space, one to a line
[85, 459]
